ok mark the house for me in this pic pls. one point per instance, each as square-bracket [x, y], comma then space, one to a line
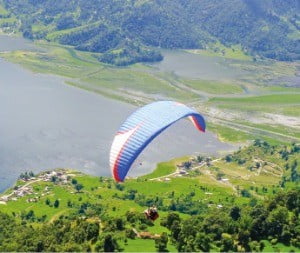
[224, 179]
[182, 172]
[4, 198]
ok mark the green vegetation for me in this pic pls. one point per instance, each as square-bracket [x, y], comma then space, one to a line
[245, 201]
[127, 33]
[130, 54]
[217, 49]
[277, 247]
[163, 168]
[214, 87]
[277, 128]
[227, 134]
[140, 245]
[262, 100]
[279, 103]
[4, 22]
[3, 12]
[57, 35]
[8, 22]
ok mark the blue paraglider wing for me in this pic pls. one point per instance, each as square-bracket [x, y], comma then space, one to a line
[141, 128]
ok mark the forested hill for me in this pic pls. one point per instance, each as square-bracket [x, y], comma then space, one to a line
[127, 31]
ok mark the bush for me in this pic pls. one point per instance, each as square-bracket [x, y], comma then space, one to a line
[130, 233]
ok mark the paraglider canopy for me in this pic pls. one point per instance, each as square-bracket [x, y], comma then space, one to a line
[151, 213]
[141, 128]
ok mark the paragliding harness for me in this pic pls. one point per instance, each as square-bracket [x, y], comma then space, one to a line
[151, 213]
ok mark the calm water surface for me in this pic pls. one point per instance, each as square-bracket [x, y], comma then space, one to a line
[196, 66]
[45, 124]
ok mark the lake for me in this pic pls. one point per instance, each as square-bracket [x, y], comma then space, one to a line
[196, 66]
[46, 124]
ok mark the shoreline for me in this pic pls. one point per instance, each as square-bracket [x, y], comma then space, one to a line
[218, 129]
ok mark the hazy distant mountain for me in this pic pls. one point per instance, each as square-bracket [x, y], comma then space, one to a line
[268, 28]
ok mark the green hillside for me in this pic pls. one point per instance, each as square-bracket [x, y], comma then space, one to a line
[129, 31]
[205, 204]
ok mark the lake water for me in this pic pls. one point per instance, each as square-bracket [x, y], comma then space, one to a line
[196, 66]
[45, 124]
[10, 43]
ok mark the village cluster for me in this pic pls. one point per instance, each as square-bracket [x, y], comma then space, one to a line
[25, 188]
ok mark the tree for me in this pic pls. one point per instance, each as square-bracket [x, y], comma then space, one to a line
[292, 200]
[30, 215]
[78, 187]
[69, 203]
[187, 165]
[227, 243]
[56, 203]
[258, 142]
[130, 233]
[109, 244]
[47, 202]
[120, 187]
[244, 238]
[54, 179]
[74, 181]
[120, 224]
[276, 220]
[175, 230]
[235, 213]
[245, 193]
[228, 158]
[170, 219]
[202, 242]
[162, 242]
[40, 246]
[200, 158]
[92, 231]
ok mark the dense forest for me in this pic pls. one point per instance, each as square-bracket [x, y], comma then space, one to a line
[129, 31]
[239, 228]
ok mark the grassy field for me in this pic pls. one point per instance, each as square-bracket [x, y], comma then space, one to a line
[140, 245]
[164, 168]
[278, 247]
[277, 128]
[214, 87]
[227, 134]
[217, 49]
[286, 104]
[273, 117]
[262, 100]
